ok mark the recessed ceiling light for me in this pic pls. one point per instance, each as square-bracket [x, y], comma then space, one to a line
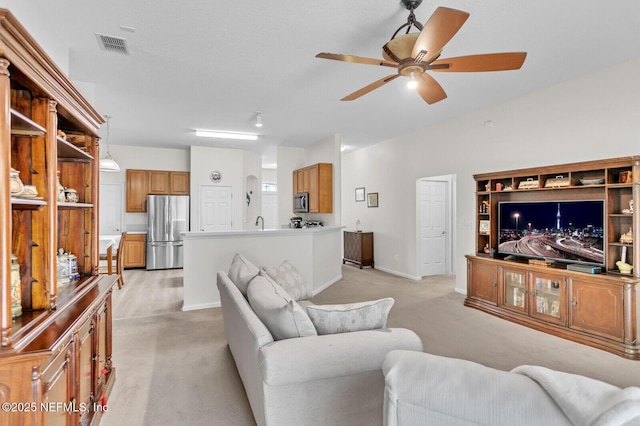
[226, 135]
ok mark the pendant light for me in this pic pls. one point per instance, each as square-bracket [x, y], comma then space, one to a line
[107, 163]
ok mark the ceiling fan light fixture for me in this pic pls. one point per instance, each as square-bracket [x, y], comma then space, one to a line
[413, 82]
[226, 135]
[259, 119]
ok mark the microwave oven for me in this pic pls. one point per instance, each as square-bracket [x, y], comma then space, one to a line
[301, 202]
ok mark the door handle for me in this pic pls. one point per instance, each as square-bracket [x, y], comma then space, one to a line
[444, 232]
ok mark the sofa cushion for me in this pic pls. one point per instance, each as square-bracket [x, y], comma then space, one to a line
[282, 315]
[331, 319]
[290, 279]
[242, 272]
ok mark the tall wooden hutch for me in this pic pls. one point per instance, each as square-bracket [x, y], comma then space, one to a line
[55, 345]
[599, 309]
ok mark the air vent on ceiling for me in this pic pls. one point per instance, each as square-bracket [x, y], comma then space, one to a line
[113, 44]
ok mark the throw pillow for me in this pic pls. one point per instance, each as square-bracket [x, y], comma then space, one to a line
[332, 319]
[242, 272]
[284, 318]
[290, 279]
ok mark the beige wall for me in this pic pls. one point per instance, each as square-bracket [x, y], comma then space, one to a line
[592, 117]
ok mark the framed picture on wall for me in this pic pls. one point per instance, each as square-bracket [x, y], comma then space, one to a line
[360, 194]
[372, 199]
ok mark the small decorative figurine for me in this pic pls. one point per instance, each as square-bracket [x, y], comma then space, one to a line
[627, 238]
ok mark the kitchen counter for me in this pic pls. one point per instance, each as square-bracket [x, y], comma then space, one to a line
[315, 253]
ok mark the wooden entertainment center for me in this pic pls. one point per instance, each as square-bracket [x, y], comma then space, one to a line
[596, 309]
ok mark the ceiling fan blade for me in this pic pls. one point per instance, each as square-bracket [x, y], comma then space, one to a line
[370, 87]
[430, 89]
[437, 31]
[357, 59]
[479, 63]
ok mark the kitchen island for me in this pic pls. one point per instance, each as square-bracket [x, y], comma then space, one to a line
[315, 253]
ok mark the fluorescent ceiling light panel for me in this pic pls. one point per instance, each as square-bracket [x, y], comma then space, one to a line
[226, 135]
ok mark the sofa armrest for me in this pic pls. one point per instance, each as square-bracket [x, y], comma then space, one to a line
[449, 391]
[306, 359]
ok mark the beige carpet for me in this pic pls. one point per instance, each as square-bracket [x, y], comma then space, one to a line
[175, 368]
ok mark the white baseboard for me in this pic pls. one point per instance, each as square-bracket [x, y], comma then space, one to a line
[326, 285]
[200, 306]
[457, 290]
[398, 273]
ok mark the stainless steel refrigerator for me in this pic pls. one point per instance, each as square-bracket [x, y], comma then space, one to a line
[168, 216]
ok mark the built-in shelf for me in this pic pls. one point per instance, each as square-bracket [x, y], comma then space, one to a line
[24, 126]
[74, 205]
[70, 152]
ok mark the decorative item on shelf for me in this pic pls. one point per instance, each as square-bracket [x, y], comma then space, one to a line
[249, 194]
[73, 266]
[62, 135]
[486, 249]
[485, 227]
[60, 197]
[630, 209]
[16, 288]
[627, 238]
[498, 186]
[624, 267]
[625, 177]
[485, 207]
[71, 195]
[530, 183]
[29, 191]
[538, 262]
[63, 267]
[16, 183]
[586, 182]
[487, 187]
[557, 182]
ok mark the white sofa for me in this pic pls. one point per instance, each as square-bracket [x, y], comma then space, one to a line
[424, 389]
[327, 379]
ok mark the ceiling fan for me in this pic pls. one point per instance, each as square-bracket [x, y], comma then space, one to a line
[416, 53]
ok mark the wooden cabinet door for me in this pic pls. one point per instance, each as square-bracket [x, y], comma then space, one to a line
[325, 188]
[597, 308]
[137, 189]
[135, 251]
[306, 176]
[312, 172]
[548, 297]
[57, 387]
[159, 182]
[85, 366]
[482, 281]
[513, 289]
[179, 182]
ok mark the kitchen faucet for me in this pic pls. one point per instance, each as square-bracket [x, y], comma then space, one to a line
[258, 219]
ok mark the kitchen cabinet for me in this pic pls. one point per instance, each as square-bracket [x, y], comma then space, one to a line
[137, 190]
[317, 180]
[159, 183]
[141, 183]
[135, 246]
[49, 134]
[179, 183]
[358, 248]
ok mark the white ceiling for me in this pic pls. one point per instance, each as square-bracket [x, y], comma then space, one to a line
[211, 64]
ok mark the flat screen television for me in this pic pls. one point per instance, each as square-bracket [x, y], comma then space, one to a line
[561, 231]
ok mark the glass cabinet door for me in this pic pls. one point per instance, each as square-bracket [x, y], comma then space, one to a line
[548, 298]
[515, 290]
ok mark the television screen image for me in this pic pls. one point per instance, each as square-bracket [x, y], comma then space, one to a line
[565, 231]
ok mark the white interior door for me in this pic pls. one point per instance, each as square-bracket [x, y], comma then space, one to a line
[433, 232]
[216, 208]
[270, 209]
[111, 211]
